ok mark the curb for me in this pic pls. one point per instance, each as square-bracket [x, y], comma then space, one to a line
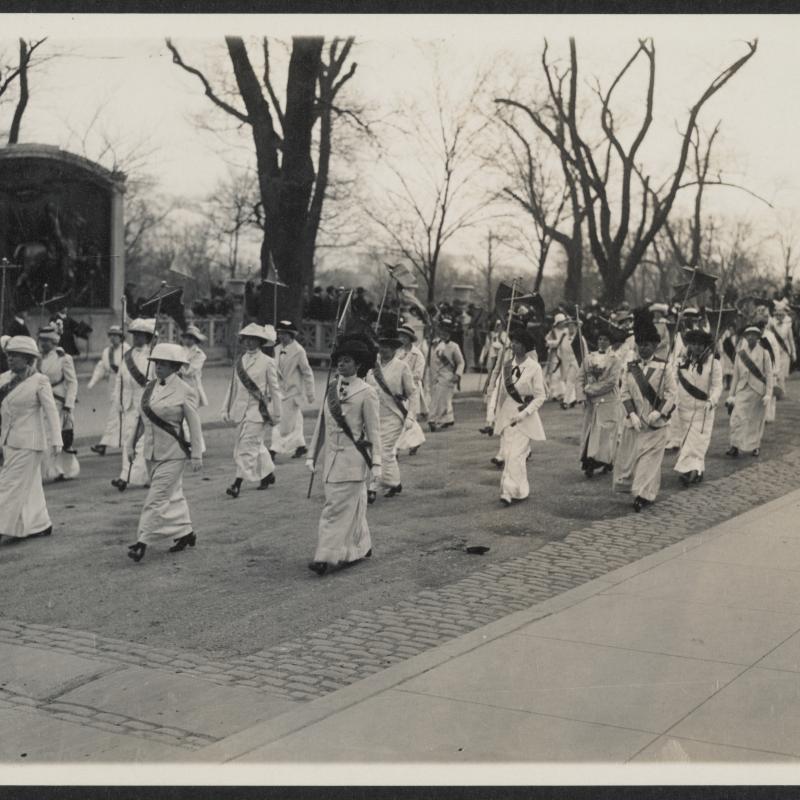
[264, 733]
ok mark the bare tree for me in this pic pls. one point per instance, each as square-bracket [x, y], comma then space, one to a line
[621, 222]
[291, 187]
[421, 210]
[14, 83]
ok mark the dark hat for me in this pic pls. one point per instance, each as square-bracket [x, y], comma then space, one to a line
[358, 347]
[520, 334]
[446, 323]
[389, 338]
[698, 336]
[644, 331]
[286, 326]
[407, 331]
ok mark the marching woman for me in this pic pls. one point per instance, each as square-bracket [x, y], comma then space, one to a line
[750, 394]
[699, 390]
[59, 369]
[394, 384]
[132, 377]
[349, 429]
[30, 427]
[521, 394]
[447, 367]
[166, 402]
[106, 369]
[192, 373]
[598, 381]
[253, 402]
[412, 436]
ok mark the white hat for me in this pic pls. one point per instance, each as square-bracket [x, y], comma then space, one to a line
[662, 308]
[169, 352]
[22, 344]
[559, 318]
[49, 333]
[3, 341]
[258, 331]
[195, 332]
[781, 306]
[143, 326]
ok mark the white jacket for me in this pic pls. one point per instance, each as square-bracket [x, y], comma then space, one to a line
[294, 371]
[529, 383]
[29, 413]
[60, 371]
[263, 372]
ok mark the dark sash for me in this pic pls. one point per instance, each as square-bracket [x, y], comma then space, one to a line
[6, 389]
[693, 390]
[254, 391]
[748, 362]
[377, 373]
[446, 361]
[511, 388]
[162, 423]
[134, 371]
[648, 392]
[111, 363]
[334, 406]
[729, 348]
[765, 343]
[781, 342]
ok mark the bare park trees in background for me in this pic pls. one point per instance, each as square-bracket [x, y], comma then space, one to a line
[14, 82]
[291, 187]
[428, 195]
[622, 215]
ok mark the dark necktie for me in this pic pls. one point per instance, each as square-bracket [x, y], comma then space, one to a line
[162, 382]
[515, 373]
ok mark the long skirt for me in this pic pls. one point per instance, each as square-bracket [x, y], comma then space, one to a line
[63, 465]
[441, 409]
[165, 514]
[412, 435]
[747, 420]
[253, 461]
[23, 510]
[676, 431]
[600, 421]
[648, 458]
[624, 458]
[769, 415]
[698, 422]
[391, 429]
[288, 436]
[111, 433]
[515, 447]
[134, 474]
[555, 386]
[569, 375]
[343, 530]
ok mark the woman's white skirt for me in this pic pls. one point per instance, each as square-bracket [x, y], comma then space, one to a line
[23, 510]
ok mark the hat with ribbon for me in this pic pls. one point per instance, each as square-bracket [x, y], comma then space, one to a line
[195, 333]
[174, 353]
[24, 345]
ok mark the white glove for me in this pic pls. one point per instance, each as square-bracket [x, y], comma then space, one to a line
[197, 464]
[709, 405]
[376, 472]
[765, 400]
[310, 464]
[653, 417]
[636, 422]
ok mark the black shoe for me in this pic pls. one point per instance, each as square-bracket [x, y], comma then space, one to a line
[136, 551]
[368, 553]
[120, 484]
[432, 427]
[607, 468]
[447, 425]
[183, 542]
[267, 482]
[393, 490]
[685, 478]
[59, 479]
[733, 452]
[320, 567]
[498, 462]
[639, 503]
[698, 477]
[300, 452]
[755, 453]
[371, 497]
[487, 429]
[589, 471]
[272, 454]
[46, 532]
[505, 502]
[413, 450]
[233, 490]
[100, 449]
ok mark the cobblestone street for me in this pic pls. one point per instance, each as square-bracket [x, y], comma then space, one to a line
[241, 615]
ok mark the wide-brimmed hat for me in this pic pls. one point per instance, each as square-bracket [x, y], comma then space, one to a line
[49, 333]
[169, 352]
[115, 330]
[559, 318]
[22, 344]
[446, 324]
[752, 329]
[661, 308]
[141, 325]
[256, 331]
[522, 335]
[195, 333]
[644, 332]
[389, 338]
[405, 330]
[269, 332]
[698, 336]
[357, 347]
[286, 326]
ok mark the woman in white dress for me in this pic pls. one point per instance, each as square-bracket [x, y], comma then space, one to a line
[349, 430]
[30, 427]
[166, 402]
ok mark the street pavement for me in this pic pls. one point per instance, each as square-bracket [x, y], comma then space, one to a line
[176, 659]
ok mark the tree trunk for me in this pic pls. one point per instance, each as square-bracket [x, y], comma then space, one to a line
[22, 101]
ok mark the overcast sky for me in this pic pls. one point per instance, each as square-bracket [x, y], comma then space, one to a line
[120, 62]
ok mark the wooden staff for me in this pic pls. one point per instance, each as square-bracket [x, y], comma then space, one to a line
[501, 356]
[119, 369]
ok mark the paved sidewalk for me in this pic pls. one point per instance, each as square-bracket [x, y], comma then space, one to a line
[691, 654]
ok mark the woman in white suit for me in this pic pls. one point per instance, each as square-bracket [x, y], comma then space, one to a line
[166, 402]
[192, 373]
[349, 429]
[30, 423]
[521, 394]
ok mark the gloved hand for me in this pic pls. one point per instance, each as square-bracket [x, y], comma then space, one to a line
[517, 418]
[376, 472]
[765, 400]
[654, 417]
[729, 405]
[197, 464]
[636, 422]
[458, 383]
[310, 464]
[709, 405]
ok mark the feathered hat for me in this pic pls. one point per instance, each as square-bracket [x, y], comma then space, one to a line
[644, 331]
